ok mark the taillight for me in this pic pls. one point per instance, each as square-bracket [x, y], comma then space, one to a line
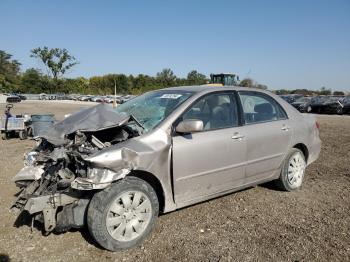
[317, 125]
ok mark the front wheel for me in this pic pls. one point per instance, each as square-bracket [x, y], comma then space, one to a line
[122, 215]
[293, 170]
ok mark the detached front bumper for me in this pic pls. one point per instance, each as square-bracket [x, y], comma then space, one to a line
[60, 211]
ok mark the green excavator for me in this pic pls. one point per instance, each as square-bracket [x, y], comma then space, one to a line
[223, 79]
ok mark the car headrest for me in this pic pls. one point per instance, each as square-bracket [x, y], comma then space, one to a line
[265, 108]
[218, 111]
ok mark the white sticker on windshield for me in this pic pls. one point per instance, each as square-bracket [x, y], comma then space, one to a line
[171, 96]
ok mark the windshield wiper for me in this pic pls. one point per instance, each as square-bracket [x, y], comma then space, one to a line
[137, 121]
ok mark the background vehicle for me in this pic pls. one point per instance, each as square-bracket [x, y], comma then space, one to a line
[84, 98]
[327, 104]
[123, 166]
[110, 99]
[290, 98]
[5, 98]
[224, 79]
[346, 105]
[22, 97]
[61, 96]
[10, 125]
[97, 99]
[303, 104]
[123, 99]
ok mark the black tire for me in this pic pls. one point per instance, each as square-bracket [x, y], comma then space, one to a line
[99, 206]
[23, 134]
[30, 131]
[282, 182]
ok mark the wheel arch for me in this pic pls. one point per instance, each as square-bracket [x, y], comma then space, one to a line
[303, 148]
[154, 183]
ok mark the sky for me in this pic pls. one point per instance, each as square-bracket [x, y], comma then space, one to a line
[283, 44]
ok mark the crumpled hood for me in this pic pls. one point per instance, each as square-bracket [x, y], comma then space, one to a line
[92, 119]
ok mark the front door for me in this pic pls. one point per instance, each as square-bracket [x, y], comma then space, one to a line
[213, 160]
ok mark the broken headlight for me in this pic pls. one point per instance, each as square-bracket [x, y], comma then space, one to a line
[98, 178]
[103, 175]
[30, 158]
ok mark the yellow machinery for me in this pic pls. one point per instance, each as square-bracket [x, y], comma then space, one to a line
[223, 79]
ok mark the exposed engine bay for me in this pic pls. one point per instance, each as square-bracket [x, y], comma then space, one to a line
[58, 181]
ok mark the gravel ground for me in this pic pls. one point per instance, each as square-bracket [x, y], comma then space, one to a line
[259, 223]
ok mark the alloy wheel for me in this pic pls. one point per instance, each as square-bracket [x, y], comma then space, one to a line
[128, 216]
[296, 170]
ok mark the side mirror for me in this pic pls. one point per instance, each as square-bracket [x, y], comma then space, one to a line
[189, 126]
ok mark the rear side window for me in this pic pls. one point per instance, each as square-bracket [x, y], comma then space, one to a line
[258, 107]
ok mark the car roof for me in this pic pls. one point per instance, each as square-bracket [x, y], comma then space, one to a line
[205, 88]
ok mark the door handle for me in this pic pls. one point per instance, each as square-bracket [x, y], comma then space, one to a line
[285, 128]
[237, 136]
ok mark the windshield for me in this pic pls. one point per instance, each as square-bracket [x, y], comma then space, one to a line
[151, 108]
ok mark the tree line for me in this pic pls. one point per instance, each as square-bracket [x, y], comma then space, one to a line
[58, 61]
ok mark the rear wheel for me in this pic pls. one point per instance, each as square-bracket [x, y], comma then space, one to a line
[122, 215]
[293, 171]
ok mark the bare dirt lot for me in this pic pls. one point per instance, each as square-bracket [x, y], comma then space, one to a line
[255, 224]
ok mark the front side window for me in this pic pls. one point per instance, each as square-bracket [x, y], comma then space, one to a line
[258, 107]
[215, 110]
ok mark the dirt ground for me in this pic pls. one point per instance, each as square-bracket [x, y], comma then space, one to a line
[256, 224]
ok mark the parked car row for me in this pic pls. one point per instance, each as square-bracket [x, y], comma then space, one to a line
[106, 99]
[319, 104]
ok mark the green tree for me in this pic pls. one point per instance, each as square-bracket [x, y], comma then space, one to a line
[261, 86]
[166, 77]
[32, 81]
[195, 78]
[78, 85]
[9, 72]
[325, 91]
[247, 82]
[56, 61]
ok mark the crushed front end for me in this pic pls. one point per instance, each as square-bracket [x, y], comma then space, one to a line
[57, 182]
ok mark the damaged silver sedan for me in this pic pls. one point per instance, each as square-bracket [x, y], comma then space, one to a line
[115, 170]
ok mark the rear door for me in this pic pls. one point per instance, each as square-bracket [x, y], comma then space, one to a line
[268, 134]
[212, 161]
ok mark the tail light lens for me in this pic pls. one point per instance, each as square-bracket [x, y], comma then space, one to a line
[317, 125]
